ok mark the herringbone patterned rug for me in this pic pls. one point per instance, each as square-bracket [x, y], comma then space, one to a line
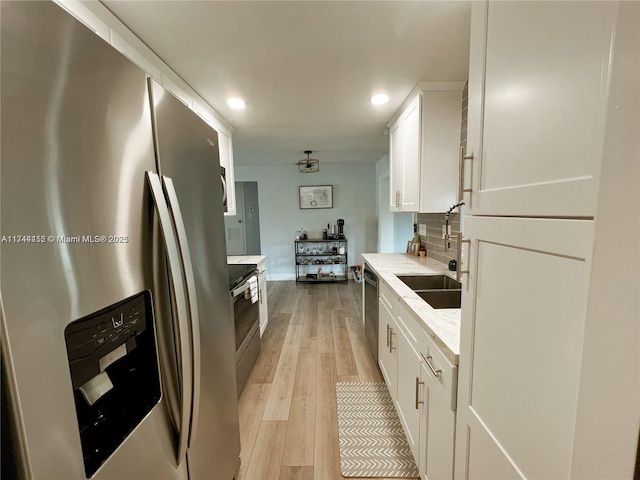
[372, 441]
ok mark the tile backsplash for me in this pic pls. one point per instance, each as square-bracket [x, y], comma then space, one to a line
[433, 241]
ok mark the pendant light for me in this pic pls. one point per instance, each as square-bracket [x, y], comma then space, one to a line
[308, 165]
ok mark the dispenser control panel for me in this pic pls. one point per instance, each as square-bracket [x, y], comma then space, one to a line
[96, 335]
[113, 361]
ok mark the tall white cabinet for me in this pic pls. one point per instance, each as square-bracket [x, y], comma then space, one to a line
[549, 374]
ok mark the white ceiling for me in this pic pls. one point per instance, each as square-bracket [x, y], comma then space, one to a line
[306, 69]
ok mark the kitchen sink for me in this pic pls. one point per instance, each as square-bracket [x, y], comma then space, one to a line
[430, 282]
[441, 298]
[439, 291]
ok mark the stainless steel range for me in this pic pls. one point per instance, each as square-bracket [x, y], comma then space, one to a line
[243, 284]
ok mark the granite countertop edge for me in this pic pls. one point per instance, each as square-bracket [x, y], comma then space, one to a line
[442, 325]
[245, 259]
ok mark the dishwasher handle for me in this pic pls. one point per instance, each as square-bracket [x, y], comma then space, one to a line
[370, 278]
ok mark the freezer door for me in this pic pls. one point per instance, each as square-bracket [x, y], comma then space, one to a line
[76, 226]
[187, 153]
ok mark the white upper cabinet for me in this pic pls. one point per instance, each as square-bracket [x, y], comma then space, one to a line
[424, 139]
[539, 78]
[226, 161]
[395, 165]
[410, 126]
[440, 146]
[404, 159]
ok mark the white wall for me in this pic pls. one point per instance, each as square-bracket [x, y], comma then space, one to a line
[354, 200]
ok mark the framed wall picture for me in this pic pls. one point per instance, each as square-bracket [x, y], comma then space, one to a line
[316, 196]
[413, 248]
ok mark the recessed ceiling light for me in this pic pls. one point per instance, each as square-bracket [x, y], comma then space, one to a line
[236, 103]
[379, 99]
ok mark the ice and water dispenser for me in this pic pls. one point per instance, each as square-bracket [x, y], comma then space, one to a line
[114, 371]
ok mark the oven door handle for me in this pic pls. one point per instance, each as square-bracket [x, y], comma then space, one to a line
[241, 289]
[189, 277]
[180, 298]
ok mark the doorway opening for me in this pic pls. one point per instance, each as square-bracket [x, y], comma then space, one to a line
[243, 228]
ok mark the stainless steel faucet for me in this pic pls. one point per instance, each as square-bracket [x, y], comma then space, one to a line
[447, 237]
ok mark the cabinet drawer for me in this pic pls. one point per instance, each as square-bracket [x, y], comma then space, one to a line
[443, 375]
[447, 377]
[388, 297]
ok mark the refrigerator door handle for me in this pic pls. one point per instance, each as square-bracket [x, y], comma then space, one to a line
[174, 210]
[175, 271]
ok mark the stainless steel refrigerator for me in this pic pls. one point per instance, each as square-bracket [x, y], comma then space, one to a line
[117, 331]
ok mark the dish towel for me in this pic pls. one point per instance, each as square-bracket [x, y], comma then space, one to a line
[253, 288]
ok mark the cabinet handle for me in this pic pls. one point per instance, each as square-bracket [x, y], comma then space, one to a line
[461, 240]
[388, 328]
[461, 190]
[436, 371]
[391, 347]
[418, 401]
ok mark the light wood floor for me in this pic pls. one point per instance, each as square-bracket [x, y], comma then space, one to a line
[288, 422]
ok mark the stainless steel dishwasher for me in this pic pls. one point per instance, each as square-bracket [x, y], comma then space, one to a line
[371, 310]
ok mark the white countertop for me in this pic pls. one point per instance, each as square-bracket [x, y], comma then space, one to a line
[246, 259]
[442, 325]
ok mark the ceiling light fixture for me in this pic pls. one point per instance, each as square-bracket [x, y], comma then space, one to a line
[308, 165]
[379, 99]
[236, 103]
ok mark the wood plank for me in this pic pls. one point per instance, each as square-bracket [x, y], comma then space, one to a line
[368, 371]
[300, 306]
[267, 453]
[325, 329]
[251, 407]
[322, 291]
[345, 363]
[296, 473]
[271, 347]
[326, 460]
[335, 297]
[347, 299]
[310, 316]
[273, 337]
[283, 298]
[276, 293]
[279, 401]
[299, 444]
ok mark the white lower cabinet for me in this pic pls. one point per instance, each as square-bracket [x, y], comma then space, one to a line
[437, 423]
[409, 392]
[423, 385]
[387, 347]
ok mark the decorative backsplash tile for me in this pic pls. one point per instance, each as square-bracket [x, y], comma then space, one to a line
[433, 241]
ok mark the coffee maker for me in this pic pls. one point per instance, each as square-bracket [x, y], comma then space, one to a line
[340, 228]
[335, 231]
